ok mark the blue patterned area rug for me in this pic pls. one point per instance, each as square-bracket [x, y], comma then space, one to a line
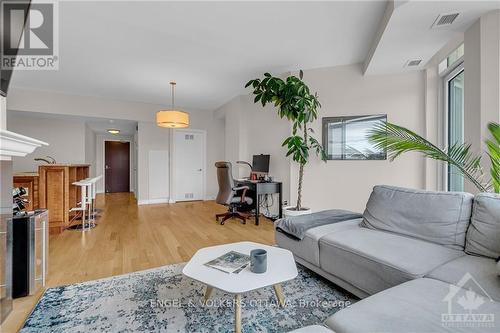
[163, 300]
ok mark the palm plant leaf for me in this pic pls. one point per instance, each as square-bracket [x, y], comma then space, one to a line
[494, 154]
[397, 140]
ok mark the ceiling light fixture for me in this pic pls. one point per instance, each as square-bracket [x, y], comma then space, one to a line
[113, 131]
[172, 118]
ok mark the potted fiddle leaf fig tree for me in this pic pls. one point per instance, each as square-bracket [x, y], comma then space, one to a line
[295, 103]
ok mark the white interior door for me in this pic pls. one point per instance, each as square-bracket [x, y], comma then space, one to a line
[189, 165]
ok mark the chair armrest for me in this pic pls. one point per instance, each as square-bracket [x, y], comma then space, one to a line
[245, 189]
[237, 188]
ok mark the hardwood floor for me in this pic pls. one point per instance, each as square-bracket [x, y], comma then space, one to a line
[132, 238]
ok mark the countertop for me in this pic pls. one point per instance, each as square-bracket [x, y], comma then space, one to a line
[64, 165]
[26, 174]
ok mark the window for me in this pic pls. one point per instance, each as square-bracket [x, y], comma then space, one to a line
[346, 138]
[455, 57]
[455, 115]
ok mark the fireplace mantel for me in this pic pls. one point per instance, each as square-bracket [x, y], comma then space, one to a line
[14, 144]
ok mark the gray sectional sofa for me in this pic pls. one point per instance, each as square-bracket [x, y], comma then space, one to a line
[421, 262]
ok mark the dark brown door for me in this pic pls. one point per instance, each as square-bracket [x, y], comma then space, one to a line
[117, 167]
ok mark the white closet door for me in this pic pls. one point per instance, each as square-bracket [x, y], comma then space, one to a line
[189, 164]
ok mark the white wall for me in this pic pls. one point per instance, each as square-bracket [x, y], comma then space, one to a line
[482, 82]
[66, 139]
[434, 114]
[343, 91]
[90, 150]
[235, 139]
[252, 130]
[150, 137]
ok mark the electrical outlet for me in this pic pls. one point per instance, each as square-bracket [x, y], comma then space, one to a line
[285, 203]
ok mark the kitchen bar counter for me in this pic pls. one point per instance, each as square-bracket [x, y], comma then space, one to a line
[57, 192]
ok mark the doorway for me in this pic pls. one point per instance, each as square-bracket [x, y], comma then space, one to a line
[189, 165]
[117, 166]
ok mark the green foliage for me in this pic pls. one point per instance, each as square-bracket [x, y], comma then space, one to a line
[294, 101]
[494, 154]
[397, 140]
[291, 97]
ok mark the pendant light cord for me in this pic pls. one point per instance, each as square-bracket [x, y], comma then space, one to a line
[173, 95]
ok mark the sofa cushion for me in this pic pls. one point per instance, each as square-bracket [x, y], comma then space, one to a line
[482, 270]
[374, 260]
[308, 248]
[483, 236]
[417, 306]
[438, 217]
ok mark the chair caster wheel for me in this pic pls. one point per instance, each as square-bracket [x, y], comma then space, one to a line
[222, 223]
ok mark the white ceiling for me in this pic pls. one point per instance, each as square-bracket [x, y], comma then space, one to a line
[101, 126]
[131, 50]
[408, 34]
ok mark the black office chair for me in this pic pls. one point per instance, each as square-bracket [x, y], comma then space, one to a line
[227, 195]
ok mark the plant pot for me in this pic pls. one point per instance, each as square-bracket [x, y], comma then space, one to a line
[290, 211]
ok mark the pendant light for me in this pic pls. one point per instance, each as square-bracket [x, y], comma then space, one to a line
[172, 118]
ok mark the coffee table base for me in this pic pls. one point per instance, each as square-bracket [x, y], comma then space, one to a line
[237, 303]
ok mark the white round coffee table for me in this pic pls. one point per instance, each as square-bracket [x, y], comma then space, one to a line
[281, 267]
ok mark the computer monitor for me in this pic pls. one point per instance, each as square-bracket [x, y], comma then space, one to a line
[260, 163]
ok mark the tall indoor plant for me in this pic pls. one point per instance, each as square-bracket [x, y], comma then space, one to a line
[398, 140]
[294, 101]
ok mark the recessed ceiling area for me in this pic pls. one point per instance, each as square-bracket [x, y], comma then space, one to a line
[130, 50]
[102, 126]
[411, 32]
[97, 125]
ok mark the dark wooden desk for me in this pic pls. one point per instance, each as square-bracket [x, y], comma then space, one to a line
[260, 188]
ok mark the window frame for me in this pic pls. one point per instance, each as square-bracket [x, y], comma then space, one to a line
[448, 75]
[344, 119]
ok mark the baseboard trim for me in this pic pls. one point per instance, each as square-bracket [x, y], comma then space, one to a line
[153, 201]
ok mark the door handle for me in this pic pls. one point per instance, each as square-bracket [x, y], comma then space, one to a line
[200, 169]
[107, 167]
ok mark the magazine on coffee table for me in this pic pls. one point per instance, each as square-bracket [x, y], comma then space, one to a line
[230, 262]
